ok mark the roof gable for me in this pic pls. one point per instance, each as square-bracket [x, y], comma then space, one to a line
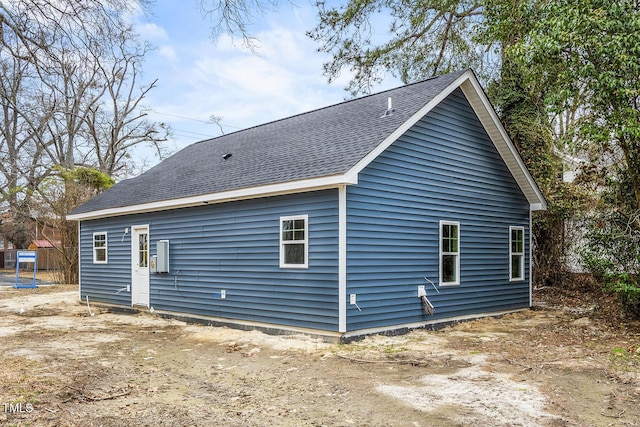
[318, 149]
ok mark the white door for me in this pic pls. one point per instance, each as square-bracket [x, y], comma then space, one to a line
[140, 265]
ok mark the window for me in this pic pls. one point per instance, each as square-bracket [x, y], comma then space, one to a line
[143, 249]
[294, 249]
[100, 248]
[449, 253]
[516, 245]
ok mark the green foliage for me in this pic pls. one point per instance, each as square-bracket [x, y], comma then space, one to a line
[612, 255]
[88, 177]
[625, 357]
[585, 57]
[568, 82]
[412, 39]
[62, 192]
[628, 290]
[431, 37]
[506, 21]
[587, 53]
[526, 120]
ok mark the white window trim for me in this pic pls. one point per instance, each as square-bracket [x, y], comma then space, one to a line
[457, 282]
[106, 246]
[511, 254]
[305, 241]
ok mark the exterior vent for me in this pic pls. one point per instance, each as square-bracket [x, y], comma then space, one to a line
[390, 109]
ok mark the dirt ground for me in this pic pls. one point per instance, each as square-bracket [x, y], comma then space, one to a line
[563, 363]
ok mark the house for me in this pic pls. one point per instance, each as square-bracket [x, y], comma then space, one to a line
[336, 221]
[43, 244]
[21, 231]
[48, 253]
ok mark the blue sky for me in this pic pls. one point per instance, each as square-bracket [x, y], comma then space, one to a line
[198, 77]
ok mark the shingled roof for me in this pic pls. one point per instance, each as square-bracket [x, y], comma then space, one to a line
[308, 148]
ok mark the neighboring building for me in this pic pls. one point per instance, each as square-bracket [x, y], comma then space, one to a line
[48, 253]
[43, 244]
[327, 221]
[36, 235]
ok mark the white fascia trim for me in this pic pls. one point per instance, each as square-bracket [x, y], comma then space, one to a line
[354, 171]
[79, 263]
[225, 196]
[342, 258]
[530, 260]
[501, 140]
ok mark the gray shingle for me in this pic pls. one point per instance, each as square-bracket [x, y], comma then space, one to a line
[324, 142]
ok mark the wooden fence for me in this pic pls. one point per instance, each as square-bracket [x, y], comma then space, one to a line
[47, 258]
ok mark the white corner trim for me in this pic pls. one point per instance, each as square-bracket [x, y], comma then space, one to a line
[79, 262]
[342, 258]
[530, 260]
[225, 196]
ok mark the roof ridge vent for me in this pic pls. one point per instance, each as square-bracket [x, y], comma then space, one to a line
[390, 109]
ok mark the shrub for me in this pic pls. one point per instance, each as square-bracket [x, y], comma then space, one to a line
[611, 253]
[628, 291]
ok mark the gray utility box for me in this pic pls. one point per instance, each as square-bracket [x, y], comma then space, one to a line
[162, 257]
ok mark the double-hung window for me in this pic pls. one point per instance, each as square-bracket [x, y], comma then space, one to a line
[294, 247]
[100, 248]
[516, 250]
[449, 253]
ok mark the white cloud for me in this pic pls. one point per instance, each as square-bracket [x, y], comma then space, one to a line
[199, 78]
[151, 32]
[168, 52]
[246, 88]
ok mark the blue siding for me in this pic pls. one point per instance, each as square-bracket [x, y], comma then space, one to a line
[233, 247]
[444, 168]
[106, 282]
